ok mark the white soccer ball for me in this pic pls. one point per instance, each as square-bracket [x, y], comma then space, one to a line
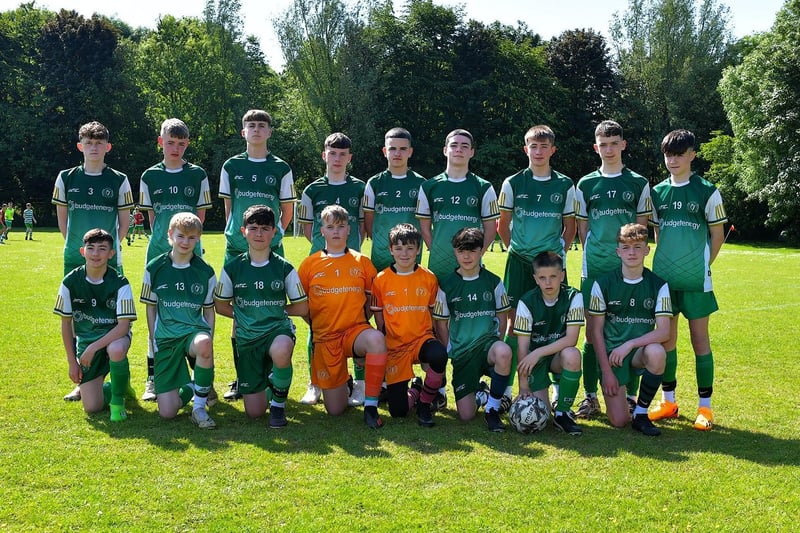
[529, 415]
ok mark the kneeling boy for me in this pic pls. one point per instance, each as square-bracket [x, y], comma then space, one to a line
[403, 297]
[338, 282]
[632, 309]
[178, 288]
[471, 312]
[253, 288]
[97, 301]
[547, 323]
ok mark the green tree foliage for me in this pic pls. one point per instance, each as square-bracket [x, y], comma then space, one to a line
[670, 55]
[760, 96]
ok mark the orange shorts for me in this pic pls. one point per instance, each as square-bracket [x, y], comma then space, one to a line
[329, 358]
[400, 362]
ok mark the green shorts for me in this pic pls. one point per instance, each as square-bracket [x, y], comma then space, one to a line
[169, 363]
[518, 277]
[624, 372]
[29, 225]
[254, 363]
[470, 365]
[693, 304]
[540, 377]
[99, 367]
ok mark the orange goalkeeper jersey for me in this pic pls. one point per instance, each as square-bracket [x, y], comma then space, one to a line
[406, 301]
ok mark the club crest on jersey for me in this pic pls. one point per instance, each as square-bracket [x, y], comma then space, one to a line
[188, 191]
[472, 201]
[270, 180]
[108, 192]
[693, 207]
[111, 303]
[556, 197]
[487, 296]
[277, 285]
[627, 196]
[422, 291]
[649, 303]
[355, 272]
[353, 202]
[412, 193]
[196, 288]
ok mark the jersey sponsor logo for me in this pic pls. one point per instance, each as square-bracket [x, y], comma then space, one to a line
[381, 209]
[322, 291]
[458, 315]
[524, 213]
[679, 224]
[392, 309]
[599, 213]
[90, 207]
[79, 316]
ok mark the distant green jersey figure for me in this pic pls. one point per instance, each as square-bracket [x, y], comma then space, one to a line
[255, 177]
[91, 195]
[453, 200]
[172, 186]
[336, 187]
[390, 197]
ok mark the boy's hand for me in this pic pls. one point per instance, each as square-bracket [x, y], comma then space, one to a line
[523, 393]
[525, 367]
[75, 372]
[87, 356]
[618, 354]
[610, 384]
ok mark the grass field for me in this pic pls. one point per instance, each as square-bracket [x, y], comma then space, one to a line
[64, 470]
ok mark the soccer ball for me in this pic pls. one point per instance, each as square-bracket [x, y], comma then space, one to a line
[529, 415]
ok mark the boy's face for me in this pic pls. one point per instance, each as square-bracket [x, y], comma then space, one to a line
[632, 253]
[183, 241]
[335, 233]
[97, 254]
[468, 259]
[336, 160]
[680, 165]
[259, 236]
[549, 280]
[173, 147]
[459, 150]
[256, 133]
[94, 150]
[539, 152]
[405, 255]
[610, 148]
[397, 152]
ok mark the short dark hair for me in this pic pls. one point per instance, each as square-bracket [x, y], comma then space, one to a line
[93, 130]
[677, 142]
[608, 128]
[404, 233]
[338, 140]
[256, 115]
[98, 235]
[175, 127]
[463, 133]
[468, 239]
[546, 260]
[259, 214]
[398, 133]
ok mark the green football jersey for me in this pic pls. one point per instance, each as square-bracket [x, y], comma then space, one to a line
[247, 182]
[471, 305]
[95, 308]
[608, 203]
[259, 293]
[321, 193]
[544, 323]
[92, 201]
[630, 306]
[180, 294]
[393, 199]
[166, 192]
[452, 205]
[683, 212]
[539, 207]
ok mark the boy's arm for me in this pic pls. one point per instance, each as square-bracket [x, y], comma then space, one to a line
[124, 223]
[223, 307]
[287, 214]
[369, 218]
[609, 380]
[502, 319]
[504, 227]
[307, 230]
[151, 311]
[717, 233]
[122, 328]
[210, 315]
[583, 229]
[570, 339]
[297, 309]
[75, 372]
[442, 330]
[523, 368]
[568, 233]
[201, 214]
[425, 228]
[489, 231]
[380, 324]
[62, 213]
[643, 219]
[151, 217]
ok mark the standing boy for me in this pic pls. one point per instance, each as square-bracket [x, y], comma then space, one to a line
[256, 176]
[178, 288]
[338, 282]
[169, 187]
[390, 197]
[91, 195]
[689, 223]
[605, 200]
[631, 311]
[548, 320]
[403, 297]
[253, 289]
[537, 214]
[29, 219]
[453, 200]
[8, 216]
[336, 187]
[471, 310]
[96, 305]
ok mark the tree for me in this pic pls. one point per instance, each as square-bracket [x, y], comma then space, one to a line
[760, 96]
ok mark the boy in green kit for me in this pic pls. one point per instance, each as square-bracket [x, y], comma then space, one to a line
[336, 187]
[253, 289]
[256, 176]
[171, 186]
[689, 223]
[91, 195]
[178, 288]
[96, 305]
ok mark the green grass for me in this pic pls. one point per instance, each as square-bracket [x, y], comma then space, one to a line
[64, 470]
